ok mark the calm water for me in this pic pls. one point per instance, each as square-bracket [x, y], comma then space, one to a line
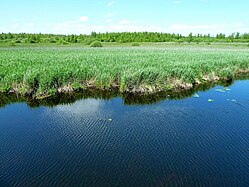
[94, 142]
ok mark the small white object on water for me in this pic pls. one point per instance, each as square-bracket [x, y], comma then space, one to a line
[220, 90]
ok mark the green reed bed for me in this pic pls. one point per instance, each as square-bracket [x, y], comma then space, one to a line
[42, 71]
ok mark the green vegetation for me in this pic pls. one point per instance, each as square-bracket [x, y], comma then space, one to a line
[46, 70]
[89, 41]
[96, 44]
[124, 37]
[135, 44]
[11, 43]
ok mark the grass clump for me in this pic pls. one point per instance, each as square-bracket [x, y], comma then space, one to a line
[135, 44]
[96, 44]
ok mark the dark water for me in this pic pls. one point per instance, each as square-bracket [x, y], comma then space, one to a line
[96, 142]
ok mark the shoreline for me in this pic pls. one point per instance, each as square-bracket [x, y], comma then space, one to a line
[174, 87]
[128, 98]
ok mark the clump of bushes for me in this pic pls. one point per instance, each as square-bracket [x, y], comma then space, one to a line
[64, 42]
[179, 41]
[89, 41]
[96, 44]
[32, 41]
[80, 41]
[135, 44]
[52, 40]
[12, 43]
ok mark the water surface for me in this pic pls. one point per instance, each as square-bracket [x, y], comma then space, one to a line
[97, 142]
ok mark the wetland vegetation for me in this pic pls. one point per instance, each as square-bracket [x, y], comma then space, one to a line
[42, 70]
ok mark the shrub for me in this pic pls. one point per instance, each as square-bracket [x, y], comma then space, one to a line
[135, 44]
[79, 41]
[32, 41]
[12, 43]
[89, 41]
[8, 40]
[45, 40]
[96, 44]
[52, 40]
[64, 42]
[179, 41]
[25, 40]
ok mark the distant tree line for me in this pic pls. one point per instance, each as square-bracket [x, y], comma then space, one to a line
[121, 37]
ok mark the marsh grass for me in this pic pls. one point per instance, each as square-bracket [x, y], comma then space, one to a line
[45, 70]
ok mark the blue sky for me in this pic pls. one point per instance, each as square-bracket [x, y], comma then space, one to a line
[84, 16]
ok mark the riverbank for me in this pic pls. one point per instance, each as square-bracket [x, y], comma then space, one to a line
[42, 71]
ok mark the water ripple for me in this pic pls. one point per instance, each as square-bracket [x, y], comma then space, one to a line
[104, 143]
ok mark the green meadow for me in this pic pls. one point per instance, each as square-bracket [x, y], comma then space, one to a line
[41, 70]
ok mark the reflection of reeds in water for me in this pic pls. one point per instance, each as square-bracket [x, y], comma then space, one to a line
[128, 98]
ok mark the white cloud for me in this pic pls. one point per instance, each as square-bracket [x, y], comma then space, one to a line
[124, 25]
[86, 106]
[15, 26]
[124, 22]
[21, 27]
[77, 28]
[109, 14]
[30, 24]
[177, 2]
[109, 20]
[213, 29]
[84, 18]
[189, 27]
[111, 3]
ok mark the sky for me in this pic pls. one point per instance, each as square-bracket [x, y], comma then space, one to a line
[85, 16]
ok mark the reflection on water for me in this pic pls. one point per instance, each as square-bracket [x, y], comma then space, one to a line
[129, 99]
[88, 106]
[102, 142]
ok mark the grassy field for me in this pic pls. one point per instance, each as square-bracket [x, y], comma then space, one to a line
[40, 70]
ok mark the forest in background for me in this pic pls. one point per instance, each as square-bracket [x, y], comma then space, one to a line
[122, 37]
